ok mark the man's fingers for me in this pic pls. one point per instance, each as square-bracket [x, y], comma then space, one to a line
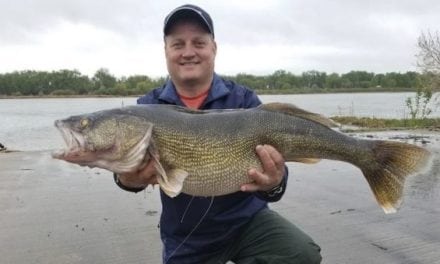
[274, 154]
[250, 187]
[255, 184]
[272, 170]
[271, 159]
[266, 160]
[258, 179]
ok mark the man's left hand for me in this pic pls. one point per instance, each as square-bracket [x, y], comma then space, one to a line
[273, 170]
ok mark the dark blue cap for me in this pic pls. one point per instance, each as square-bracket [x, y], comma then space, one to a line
[188, 11]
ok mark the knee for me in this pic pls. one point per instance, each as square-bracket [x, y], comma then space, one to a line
[311, 254]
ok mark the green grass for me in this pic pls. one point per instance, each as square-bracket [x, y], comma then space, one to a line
[368, 123]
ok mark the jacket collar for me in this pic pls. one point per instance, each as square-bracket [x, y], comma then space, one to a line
[218, 89]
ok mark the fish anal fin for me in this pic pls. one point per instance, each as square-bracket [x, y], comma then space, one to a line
[293, 110]
[306, 160]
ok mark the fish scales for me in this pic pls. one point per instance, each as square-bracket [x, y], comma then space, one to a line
[208, 153]
[218, 156]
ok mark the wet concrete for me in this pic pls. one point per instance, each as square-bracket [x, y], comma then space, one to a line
[55, 212]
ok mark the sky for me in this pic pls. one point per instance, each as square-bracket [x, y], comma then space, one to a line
[253, 36]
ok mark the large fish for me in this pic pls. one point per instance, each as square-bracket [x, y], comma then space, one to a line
[208, 153]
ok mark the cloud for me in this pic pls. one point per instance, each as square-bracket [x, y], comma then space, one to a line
[253, 36]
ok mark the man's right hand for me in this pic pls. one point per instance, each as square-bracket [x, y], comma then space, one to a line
[141, 178]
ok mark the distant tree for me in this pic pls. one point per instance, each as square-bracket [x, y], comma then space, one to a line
[428, 61]
[282, 79]
[333, 81]
[378, 80]
[409, 79]
[144, 87]
[246, 80]
[428, 58]
[134, 80]
[359, 79]
[103, 79]
[390, 80]
[314, 79]
[67, 80]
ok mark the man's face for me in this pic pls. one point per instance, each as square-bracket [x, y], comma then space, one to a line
[190, 53]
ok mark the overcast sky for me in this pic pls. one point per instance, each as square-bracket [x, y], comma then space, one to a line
[253, 36]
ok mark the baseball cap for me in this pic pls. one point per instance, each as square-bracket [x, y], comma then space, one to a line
[188, 11]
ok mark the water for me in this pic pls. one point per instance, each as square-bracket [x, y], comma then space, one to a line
[383, 105]
[27, 124]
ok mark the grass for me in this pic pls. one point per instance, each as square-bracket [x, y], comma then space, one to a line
[371, 123]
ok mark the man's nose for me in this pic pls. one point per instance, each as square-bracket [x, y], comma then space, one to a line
[188, 52]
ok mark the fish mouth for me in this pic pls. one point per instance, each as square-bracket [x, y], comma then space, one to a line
[75, 145]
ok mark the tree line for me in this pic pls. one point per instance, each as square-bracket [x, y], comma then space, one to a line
[316, 81]
[72, 82]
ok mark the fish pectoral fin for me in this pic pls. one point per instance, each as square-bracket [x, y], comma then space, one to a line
[306, 160]
[163, 177]
[170, 182]
[174, 182]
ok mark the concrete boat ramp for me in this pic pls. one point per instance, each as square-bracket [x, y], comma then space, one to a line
[55, 212]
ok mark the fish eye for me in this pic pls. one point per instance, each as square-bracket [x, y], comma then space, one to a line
[84, 123]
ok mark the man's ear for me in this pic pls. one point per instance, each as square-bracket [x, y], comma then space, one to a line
[165, 47]
[215, 47]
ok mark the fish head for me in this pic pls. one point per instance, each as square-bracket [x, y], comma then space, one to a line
[105, 139]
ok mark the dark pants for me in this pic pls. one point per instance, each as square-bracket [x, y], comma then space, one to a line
[269, 238]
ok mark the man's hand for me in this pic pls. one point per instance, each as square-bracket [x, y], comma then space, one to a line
[141, 178]
[273, 170]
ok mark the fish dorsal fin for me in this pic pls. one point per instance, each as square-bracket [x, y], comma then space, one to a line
[293, 110]
[187, 110]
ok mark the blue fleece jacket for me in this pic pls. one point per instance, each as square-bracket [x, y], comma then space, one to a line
[228, 213]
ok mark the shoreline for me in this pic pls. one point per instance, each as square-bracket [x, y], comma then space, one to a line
[62, 96]
[258, 91]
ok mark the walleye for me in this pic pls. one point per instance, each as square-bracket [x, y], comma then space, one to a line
[208, 152]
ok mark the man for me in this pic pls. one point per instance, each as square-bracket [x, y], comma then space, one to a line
[239, 226]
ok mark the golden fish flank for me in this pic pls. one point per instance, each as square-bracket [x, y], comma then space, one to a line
[208, 153]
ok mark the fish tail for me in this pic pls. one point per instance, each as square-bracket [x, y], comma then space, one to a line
[394, 162]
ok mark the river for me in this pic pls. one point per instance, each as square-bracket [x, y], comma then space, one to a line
[27, 124]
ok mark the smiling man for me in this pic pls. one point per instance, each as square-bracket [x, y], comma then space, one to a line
[190, 52]
[239, 226]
